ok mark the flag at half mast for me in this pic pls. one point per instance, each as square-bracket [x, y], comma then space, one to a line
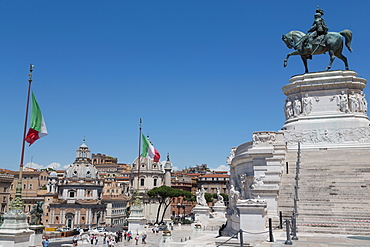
[38, 126]
[149, 150]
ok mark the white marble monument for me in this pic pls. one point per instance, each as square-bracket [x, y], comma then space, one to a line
[201, 210]
[323, 110]
[136, 221]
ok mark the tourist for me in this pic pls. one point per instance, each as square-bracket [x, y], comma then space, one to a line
[125, 235]
[129, 236]
[136, 239]
[116, 237]
[45, 243]
[112, 242]
[143, 238]
[105, 238]
[92, 239]
[74, 240]
[96, 239]
[109, 240]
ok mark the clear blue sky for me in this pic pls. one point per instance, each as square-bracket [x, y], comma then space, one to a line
[203, 75]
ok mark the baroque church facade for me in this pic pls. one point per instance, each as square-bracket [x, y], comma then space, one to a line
[144, 178]
[76, 199]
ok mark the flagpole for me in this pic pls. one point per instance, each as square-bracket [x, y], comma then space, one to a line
[17, 203]
[139, 158]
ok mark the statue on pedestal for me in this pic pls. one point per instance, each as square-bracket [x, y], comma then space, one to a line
[201, 200]
[318, 41]
[220, 198]
[36, 214]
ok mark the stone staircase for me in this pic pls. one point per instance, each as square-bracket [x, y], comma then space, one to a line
[334, 190]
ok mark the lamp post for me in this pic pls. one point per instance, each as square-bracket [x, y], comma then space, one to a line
[296, 199]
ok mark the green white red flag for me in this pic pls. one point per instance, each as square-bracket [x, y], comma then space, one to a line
[149, 150]
[38, 126]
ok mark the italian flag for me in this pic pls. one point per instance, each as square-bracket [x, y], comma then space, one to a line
[149, 150]
[38, 126]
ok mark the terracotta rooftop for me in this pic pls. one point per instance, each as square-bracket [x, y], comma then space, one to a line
[214, 176]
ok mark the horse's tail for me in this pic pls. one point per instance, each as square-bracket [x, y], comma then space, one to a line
[347, 34]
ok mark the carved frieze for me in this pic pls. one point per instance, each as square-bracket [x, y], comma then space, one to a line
[336, 136]
[264, 137]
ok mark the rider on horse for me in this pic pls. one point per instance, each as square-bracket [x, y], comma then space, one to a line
[316, 35]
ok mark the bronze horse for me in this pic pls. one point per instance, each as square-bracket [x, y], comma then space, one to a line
[333, 44]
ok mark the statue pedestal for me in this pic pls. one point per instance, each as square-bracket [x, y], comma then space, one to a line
[166, 239]
[36, 237]
[15, 232]
[201, 214]
[136, 221]
[326, 109]
[219, 210]
[253, 219]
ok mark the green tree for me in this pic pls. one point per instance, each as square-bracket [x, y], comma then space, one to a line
[225, 196]
[208, 197]
[165, 195]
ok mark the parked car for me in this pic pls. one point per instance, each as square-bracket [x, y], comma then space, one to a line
[101, 229]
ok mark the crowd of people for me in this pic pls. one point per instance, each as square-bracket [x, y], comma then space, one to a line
[110, 239]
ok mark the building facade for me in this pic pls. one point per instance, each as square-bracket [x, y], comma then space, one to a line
[76, 199]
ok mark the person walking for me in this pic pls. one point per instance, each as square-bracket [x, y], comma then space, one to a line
[105, 238]
[92, 239]
[96, 240]
[112, 242]
[45, 243]
[136, 239]
[143, 238]
[74, 240]
[129, 236]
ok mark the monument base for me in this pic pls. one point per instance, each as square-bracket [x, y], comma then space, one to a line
[15, 232]
[136, 221]
[201, 214]
[253, 219]
[36, 237]
[219, 211]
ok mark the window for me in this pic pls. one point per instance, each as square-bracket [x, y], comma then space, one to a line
[5, 188]
[71, 194]
[24, 186]
[142, 182]
[30, 186]
[155, 182]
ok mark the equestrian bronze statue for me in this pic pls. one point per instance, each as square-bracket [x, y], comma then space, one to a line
[318, 41]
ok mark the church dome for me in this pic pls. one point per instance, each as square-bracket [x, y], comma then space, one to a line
[82, 168]
[82, 171]
[53, 174]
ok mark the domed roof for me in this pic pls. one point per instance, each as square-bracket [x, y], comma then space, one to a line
[82, 168]
[53, 174]
[82, 171]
